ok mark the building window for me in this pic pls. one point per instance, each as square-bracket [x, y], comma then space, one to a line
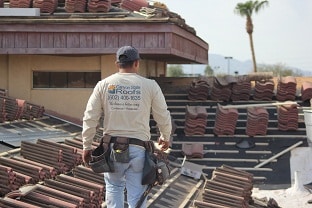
[65, 79]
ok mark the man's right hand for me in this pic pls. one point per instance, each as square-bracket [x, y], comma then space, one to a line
[86, 157]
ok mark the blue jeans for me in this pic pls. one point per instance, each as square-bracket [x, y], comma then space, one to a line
[129, 176]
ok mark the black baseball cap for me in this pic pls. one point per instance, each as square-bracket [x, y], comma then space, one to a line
[126, 54]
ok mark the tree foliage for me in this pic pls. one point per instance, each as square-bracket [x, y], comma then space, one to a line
[209, 71]
[246, 10]
[279, 70]
[175, 71]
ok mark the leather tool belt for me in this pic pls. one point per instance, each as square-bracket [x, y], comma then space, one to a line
[133, 141]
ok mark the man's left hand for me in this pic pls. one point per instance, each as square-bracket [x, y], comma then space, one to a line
[163, 144]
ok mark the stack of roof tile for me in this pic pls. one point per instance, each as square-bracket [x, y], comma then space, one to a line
[199, 90]
[257, 121]
[264, 90]
[20, 3]
[41, 161]
[45, 6]
[286, 88]
[133, 5]
[116, 2]
[225, 122]
[287, 117]
[306, 91]
[195, 120]
[228, 187]
[72, 6]
[193, 150]
[14, 109]
[221, 89]
[241, 91]
[7, 180]
[99, 5]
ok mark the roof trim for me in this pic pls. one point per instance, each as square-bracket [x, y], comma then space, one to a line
[161, 37]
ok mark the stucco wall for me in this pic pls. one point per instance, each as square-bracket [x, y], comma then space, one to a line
[3, 71]
[69, 103]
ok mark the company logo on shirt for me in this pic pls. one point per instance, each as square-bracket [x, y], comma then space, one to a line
[124, 97]
[112, 89]
[124, 90]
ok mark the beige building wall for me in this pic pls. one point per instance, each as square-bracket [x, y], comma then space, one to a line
[68, 102]
[4, 72]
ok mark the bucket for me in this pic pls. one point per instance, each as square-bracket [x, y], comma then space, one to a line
[308, 124]
[307, 117]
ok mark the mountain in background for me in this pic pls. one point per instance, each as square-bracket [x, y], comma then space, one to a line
[220, 65]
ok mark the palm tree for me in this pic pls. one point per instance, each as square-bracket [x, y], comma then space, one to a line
[246, 10]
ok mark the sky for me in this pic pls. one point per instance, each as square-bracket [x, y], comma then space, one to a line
[282, 30]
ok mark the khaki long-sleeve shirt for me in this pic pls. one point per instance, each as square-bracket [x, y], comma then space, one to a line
[127, 101]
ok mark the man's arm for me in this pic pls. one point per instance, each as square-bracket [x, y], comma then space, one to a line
[162, 117]
[91, 118]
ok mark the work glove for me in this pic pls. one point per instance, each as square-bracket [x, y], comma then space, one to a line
[86, 157]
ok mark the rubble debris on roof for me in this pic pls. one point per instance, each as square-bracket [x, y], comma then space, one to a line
[116, 9]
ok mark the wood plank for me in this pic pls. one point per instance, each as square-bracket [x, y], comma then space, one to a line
[47, 40]
[8, 40]
[86, 40]
[96, 39]
[111, 40]
[124, 39]
[59, 40]
[151, 40]
[20, 40]
[33, 40]
[72, 40]
[138, 40]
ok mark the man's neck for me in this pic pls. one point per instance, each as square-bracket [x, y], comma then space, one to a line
[130, 70]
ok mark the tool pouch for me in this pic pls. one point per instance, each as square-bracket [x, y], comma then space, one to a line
[100, 157]
[120, 152]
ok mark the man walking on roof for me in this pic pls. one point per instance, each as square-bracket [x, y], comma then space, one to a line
[126, 100]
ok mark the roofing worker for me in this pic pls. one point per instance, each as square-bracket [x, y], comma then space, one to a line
[126, 100]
